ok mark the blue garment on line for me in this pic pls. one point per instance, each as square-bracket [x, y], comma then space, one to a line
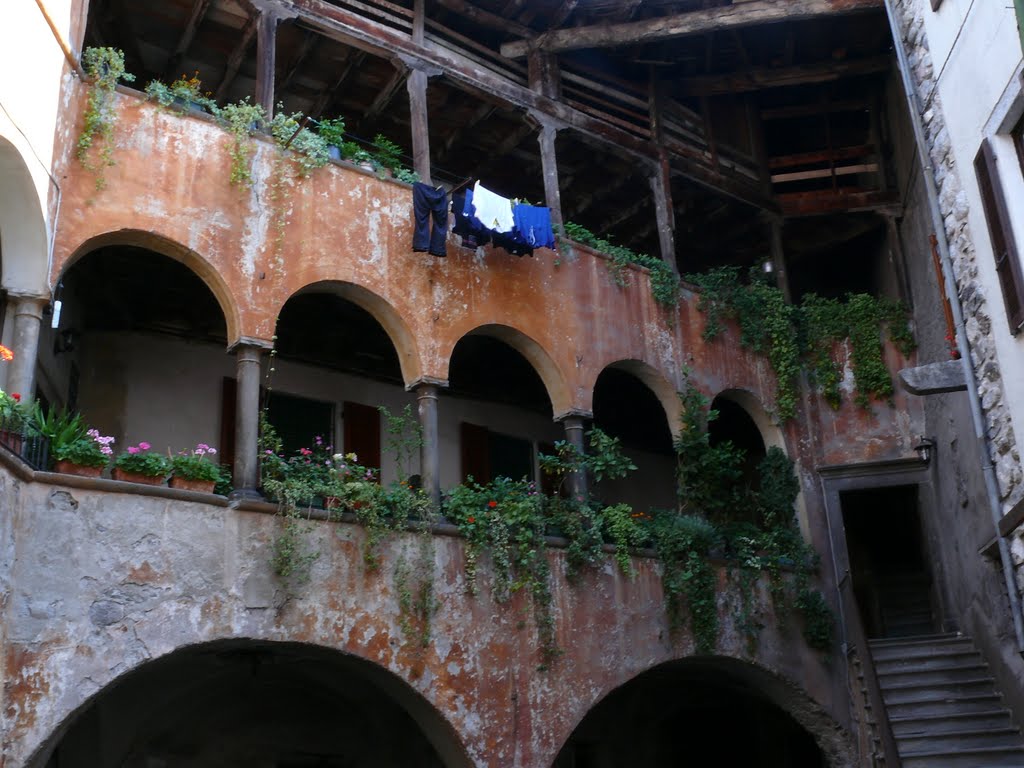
[533, 223]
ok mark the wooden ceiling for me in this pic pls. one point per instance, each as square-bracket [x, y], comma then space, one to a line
[786, 114]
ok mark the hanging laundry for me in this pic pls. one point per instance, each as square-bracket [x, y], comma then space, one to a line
[533, 223]
[467, 225]
[429, 202]
[493, 210]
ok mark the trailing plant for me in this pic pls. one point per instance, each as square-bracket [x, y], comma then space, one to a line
[404, 438]
[414, 584]
[819, 620]
[183, 93]
[387, 153]
[106, 67]
[141, 460]
[193, 464]
[309, 148]
[664, 280]
[242, 119]
[291, 559]
[794, 336]
[407, 176]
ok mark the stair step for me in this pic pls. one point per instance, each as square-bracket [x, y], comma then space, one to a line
[899, 693]
[951, 673]
[914, 649]
[923, 663]
[880, 642]
[929, 707]
[964, 758]
[950, 722]
[962, 739]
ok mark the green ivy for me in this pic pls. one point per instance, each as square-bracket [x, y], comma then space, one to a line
[664, 281]
[106, 68]
[242, 120]
[792, 336]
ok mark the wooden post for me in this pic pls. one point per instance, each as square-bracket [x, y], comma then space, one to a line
[778, 257]
[552, 194]
[266, 58]
[417, 85]
[661, 188]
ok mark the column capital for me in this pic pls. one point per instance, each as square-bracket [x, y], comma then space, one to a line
[574, 413]
[250, 343]
[415, 384]
[29, 304]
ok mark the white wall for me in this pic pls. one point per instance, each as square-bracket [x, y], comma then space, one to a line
[976, 52]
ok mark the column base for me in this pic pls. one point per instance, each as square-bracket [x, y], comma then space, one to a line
[246, 494]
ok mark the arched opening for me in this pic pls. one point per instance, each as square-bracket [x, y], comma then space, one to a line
[736, 426]
[259, 705]
[337, 365]
[496, 413]
[627, 407]
[23, 242]
[698, 712]
[139, 350]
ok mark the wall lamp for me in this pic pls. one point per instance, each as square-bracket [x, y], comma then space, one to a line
[924, 449]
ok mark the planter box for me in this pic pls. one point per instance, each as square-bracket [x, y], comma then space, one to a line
[202, 486]
[136, 477]
[68, 468]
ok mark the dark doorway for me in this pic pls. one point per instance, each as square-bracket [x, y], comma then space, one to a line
[891, 577]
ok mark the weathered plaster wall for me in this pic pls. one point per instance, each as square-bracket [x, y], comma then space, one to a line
[102, 582]
[960, 524]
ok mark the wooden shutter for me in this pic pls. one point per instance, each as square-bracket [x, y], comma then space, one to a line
[476, 454]
[362, 433]
[1003, 245]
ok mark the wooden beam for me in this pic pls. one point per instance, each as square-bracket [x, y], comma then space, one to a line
[815, 108]
[726, 17]
[417, 86]
[482, 112]
[821, 173]
[237, 56]
[564, 12]
[199, 9]
[511, 141]
[797, 204]
[661, 187]
[486, 18]
[625, 214]
[549, 168]
[326, 97]
[309, 43]
[821, 156]
[366, 34]
[762, 78]
[266, 61]
[384, 97]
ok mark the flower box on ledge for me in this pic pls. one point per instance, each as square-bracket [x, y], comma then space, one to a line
[184, 484]
[82, 470]
[136, 477]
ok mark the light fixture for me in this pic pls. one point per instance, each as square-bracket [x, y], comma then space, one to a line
[768, 266]
[924, 449]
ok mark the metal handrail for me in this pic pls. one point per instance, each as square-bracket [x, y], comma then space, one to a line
[857, 640]
[32, 449]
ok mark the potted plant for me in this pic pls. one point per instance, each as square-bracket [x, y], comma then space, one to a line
[332, 130]
[12, 420]
[185, 94]
[389, 154]
[192, 471]
[137, 464]
[85, 456]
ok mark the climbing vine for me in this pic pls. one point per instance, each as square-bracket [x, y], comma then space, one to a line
[794, 336]
[106, 68]
[664, 281]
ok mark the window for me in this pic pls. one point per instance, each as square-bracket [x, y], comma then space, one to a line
[362, 433]
[1003, 246]
[298, 420]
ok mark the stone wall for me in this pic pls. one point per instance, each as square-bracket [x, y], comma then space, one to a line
[104, 579]
[954, 207]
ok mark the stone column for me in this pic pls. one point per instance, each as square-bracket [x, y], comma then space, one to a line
[574, 434]
[247, 421]
[430, 450]
[28, 317]
[552, 194]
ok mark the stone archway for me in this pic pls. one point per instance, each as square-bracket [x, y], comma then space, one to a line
[23, 237]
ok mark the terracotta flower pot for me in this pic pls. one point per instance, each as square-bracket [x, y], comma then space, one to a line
[136, 477]
[185, 484]
[69, 468]
[11, 439]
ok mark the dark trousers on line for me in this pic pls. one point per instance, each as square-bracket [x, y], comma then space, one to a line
[429, 201]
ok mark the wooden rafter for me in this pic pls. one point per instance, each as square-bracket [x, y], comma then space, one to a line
[628, 212]
[564, 12]
[199, 9]
[684, 24]
[245, 40]
[384, 97]
[485, 18]
[326, 97]
[309, 43]
[482, 112]
[510, 142]
[598, 192]
[761, 78]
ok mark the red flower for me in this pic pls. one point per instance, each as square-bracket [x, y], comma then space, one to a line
[492, 504]
[471, 519]
[16, 396]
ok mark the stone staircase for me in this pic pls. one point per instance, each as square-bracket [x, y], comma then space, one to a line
[942, 704]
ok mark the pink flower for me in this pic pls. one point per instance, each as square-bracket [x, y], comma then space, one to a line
[211, 451]
[132, 449]
[144, 446]
[305, 451]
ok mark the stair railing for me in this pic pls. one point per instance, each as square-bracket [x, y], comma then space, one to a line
[857, 646]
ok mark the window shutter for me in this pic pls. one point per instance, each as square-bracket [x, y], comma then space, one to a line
[476, 454]
[362, 433]
[1003, 245]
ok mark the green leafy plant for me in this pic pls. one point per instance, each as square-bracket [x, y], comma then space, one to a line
[404, 438]
[242, 119]
[183, 93]
[407, 176]
[387, 153]
[14, 415]
[105, 66]
[309, 148]
[141, 460]
[332, 131]
[683, 543]
[664, 280]
[194, 464]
